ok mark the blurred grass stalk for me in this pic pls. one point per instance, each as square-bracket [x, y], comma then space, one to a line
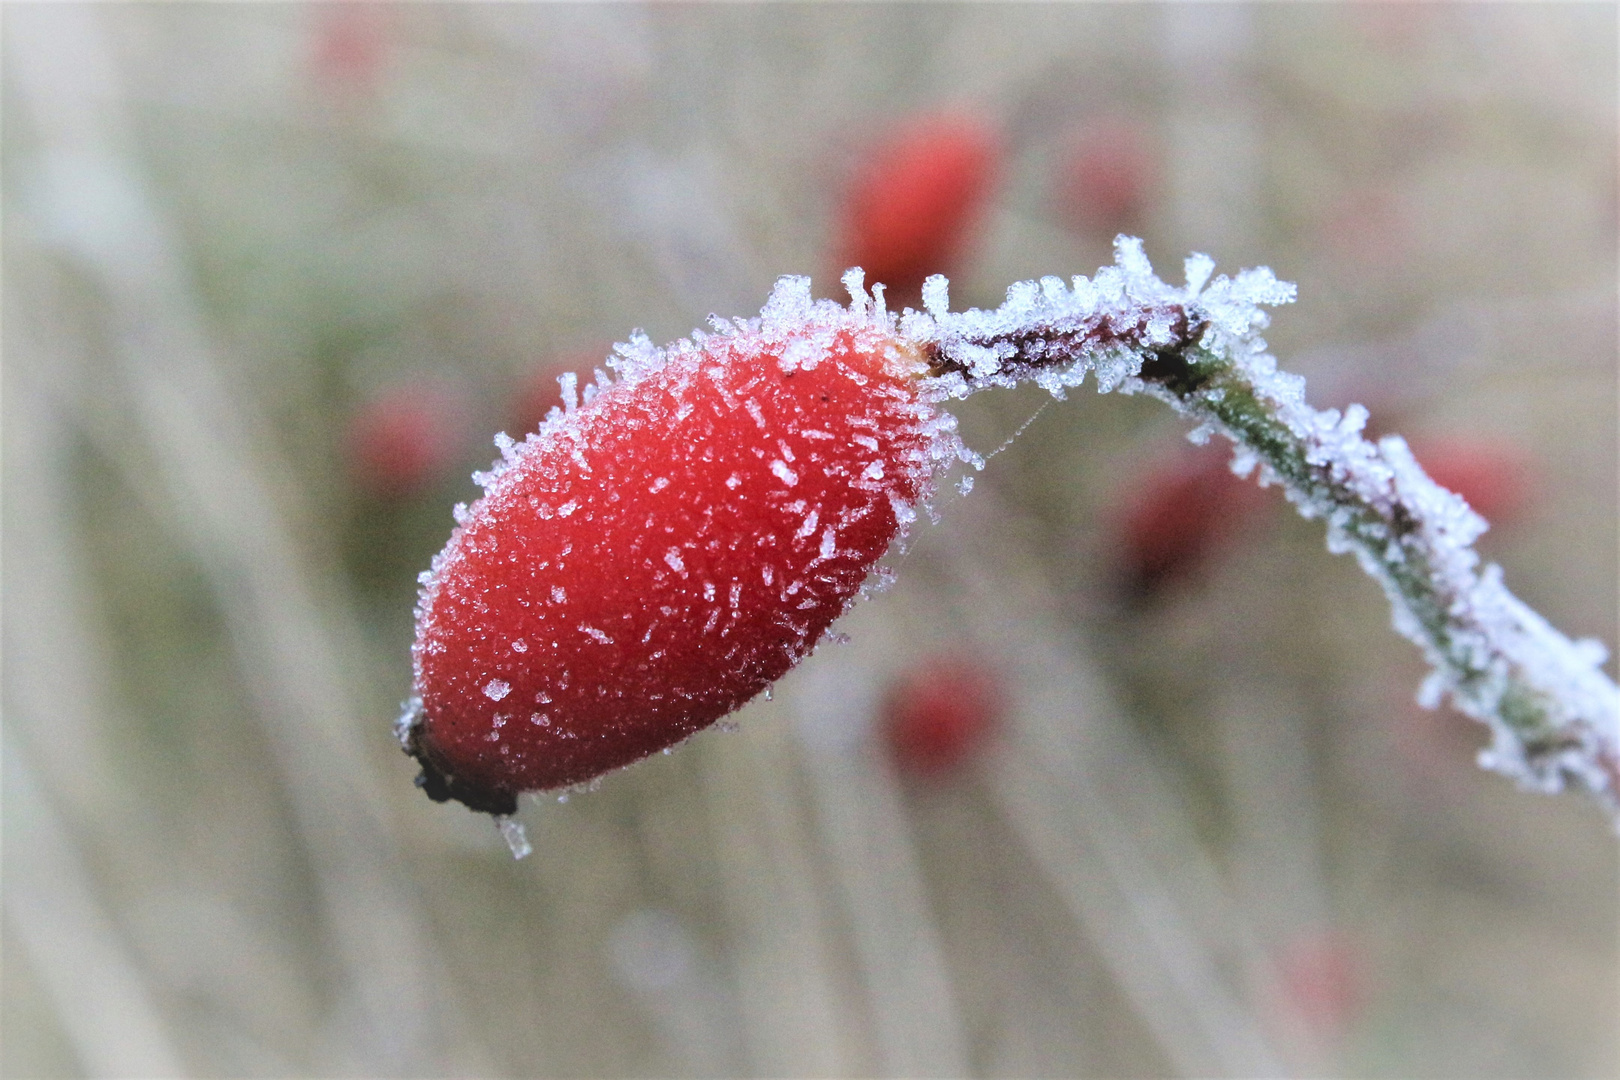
[101, 999]
[780, 940]
[57, 703]
[213, 468]
[1102, 820]
[864, 830]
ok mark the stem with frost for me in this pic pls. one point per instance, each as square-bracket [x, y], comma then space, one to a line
[1551, 709]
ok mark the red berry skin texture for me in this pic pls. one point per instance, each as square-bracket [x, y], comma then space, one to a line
[649, 561]
[915, 201]
[938, 715]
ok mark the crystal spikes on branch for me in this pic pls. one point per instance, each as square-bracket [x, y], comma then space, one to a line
[1551, 709]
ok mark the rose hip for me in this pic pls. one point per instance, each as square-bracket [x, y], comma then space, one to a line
[939, 714]
[1106, 181]
[916, 200]
[350, 45]
[536, 394]
[1178, 514]
[650, 560]
[1324, 977]
[405, 438]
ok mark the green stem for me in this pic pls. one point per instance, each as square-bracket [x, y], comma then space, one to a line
[1208, 387]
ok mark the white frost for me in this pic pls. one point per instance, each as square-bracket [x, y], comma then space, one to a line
[783, 473]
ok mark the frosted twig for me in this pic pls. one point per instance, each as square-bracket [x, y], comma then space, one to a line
[1551, 709]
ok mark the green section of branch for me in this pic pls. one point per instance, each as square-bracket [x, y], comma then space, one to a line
[1211, 388]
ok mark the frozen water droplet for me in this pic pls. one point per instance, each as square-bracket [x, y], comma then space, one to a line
[496, 689]
[783, 473]
[520, 646]
[512, 832]
[854, 280]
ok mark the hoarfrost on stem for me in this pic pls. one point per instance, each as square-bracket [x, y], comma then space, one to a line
[1553, 713]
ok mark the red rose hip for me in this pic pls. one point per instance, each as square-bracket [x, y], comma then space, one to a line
[940, 713]
[1177, 514]
[406, 438]
[650, 560]
[917, 199]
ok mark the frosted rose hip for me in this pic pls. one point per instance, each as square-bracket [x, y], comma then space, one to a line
[652, 560]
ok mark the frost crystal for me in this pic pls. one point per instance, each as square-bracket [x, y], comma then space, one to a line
[517, 841]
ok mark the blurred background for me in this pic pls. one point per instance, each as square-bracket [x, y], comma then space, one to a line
[1122, 776]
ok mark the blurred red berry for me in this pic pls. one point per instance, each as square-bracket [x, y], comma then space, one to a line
[350, 44]
[661, 553]
[914, 203]
[1179, 512]
[1494, 476]
[1368, 226]
[1394, 28]
[938, 715]
[1324, 981]
[1107, 180]
[405, 438]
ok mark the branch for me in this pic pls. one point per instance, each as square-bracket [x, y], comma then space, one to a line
[1551, 709]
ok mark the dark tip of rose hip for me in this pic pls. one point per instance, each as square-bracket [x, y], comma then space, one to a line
[441, 786]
